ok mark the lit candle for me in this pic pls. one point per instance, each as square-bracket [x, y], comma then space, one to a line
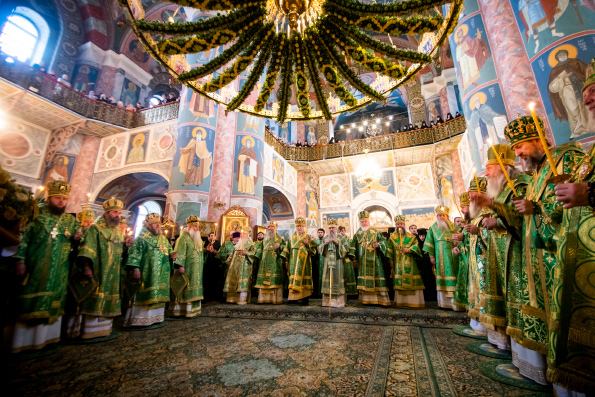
[476, 180]
[510, 184]
[546, 148]
[455, 200]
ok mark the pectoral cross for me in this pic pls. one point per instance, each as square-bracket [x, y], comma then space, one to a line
[54, 232]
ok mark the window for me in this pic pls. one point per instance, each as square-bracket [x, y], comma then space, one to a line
[380, 219]
[143, 210]
[24, 35]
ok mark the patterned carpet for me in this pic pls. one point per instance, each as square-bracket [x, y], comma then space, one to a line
[213, 356]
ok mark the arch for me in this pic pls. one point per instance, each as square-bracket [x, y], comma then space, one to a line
[279, 206]
[133, 187]
[371, 199]
[41, 34]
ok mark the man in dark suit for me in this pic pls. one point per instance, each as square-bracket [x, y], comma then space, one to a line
[213, 271]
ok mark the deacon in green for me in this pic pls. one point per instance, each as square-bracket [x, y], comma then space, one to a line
[237, 283]
[333, 250]
[461, 249]
[100, 255]
[43, 261]
[269, 280]
[402, 249]
[226, 251]
[189, 262]
[149, 261]
[367, 246]
[501, 290]
[439, 246]
[297, 253]
[542, 220]
[318, 261]
[350, 279]
[478, 254]
[571, 354]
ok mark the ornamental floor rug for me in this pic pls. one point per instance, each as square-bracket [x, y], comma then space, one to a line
[213, 356]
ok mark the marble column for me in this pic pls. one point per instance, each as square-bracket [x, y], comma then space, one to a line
[83, 173]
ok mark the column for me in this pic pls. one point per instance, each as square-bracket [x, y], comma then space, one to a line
[83, 173]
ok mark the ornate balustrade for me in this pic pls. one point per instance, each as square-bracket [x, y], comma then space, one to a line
[49, 88]
[383, 142]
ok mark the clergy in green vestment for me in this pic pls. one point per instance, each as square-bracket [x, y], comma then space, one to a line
[571, 349]
[269, 279]
[43, 259]
[366, 247]
[333, 250]
[478, 254]
[238, 283]
[149, 261]
[461, 242]
[402, 250]
[318, 261]
[500, 312]
[350, 279]
[542, 220]
[99, 257]
[189, 262]
[297, 254]
[439, 246]
[225, 252]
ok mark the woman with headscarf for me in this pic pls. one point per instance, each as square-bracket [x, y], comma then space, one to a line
[448, 117]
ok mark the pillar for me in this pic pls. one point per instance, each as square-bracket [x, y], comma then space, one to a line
[82, 174]
[505, 60]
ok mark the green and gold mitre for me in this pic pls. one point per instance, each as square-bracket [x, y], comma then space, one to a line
[504, 151]
[483, 185]
[590, 75]
[399, 218]
[363, 215]
[152, 218]
[113, 204]
[192, 220]
[464, 198]
[521, 130]
[332, 222]
[58, 188]
[85, 215]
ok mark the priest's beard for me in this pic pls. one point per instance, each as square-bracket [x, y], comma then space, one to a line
[474, 210]
[401, 231]
[55, 210]
[112, 222]
[532, 162]
[195, 234]
[442, 225]
[332, 235]
[156, 232]
[365, 228]
[269, 236]
[495, 185]
[260, 238]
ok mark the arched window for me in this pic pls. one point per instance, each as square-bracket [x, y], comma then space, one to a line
[24, 35]
[143, 210]
[380, 219]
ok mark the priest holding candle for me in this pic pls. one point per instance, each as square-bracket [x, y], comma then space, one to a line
[542, 219]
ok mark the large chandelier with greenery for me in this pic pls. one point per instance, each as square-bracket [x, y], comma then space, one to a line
[297, 43]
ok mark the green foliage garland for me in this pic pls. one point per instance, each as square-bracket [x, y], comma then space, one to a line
[231, 21]
[395, 9]
[17, 205]
[407, 55]
[218, 5]
[242, 62]
[315, 79]
[224, 58]
[279, 49]
[301, 79]
[196, 44]
[394, 26]
[328, 71]
[349, 74]
[285, 88]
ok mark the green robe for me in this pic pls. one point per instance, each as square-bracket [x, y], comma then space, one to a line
[150, 254]
[407, 275]
[270, 269]
[539, 261]
[318, 242]
[191, 258]
[478, 266]
[102, 250]
[333, 260]
[240, 268]
[461, 297]
[571, 348]
[439, 245]
[371, 274]
[350, 280]
[502, 286]
[45, 249]
[298, 254]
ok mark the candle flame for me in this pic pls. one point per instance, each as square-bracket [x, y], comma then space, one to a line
[490, 141]
[532, 105]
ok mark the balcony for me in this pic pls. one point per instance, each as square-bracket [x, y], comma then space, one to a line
[47, 87]
[399, 140]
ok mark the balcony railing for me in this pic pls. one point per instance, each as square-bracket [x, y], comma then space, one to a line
[399, 140]
[49, 88]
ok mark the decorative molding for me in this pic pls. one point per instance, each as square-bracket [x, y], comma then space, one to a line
[58, 137]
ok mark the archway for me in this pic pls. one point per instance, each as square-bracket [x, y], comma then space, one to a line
[380, 218]
[275, 206]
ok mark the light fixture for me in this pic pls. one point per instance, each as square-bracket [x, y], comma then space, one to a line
[348, 130]
[361, 129]
[377, 121]
[353, 125]
[368, 171]
[341, 126]
[390, 117]
[366, 122]
[387, 123]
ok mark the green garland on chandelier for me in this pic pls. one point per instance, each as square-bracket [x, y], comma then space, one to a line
[331, 40]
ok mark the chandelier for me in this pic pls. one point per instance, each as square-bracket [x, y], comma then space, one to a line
[368, 171]
[314, 51]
